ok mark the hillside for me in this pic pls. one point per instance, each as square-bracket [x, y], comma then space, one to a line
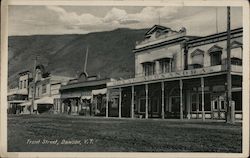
[110, 53]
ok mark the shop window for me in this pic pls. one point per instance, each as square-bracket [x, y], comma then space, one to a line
[165, 65]
[194, 102]
[142, 107]
[216, 105]
[207, 102]
[222, 105]
[154, 105]
[237, 98]
[148, 68]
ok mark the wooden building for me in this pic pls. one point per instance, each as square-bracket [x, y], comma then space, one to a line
[85, 95]
[179, 76]
[19, 95]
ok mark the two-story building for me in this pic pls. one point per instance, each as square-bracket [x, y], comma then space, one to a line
[19, 95]
[85, 95]
[179, 76]
[46, 96]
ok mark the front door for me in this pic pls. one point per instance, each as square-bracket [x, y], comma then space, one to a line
[218, 108]
[175, 107]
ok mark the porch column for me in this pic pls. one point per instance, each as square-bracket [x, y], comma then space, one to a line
[132, 101]
[146, 106]
[162, 100]
[188, 104]
[202, 98]
[120, 102]
[107, 103]
[181, 102]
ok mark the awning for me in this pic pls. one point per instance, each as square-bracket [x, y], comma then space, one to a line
[45, 100]
[16, 101]
[99, 91]
[86, 97]
[27, 103]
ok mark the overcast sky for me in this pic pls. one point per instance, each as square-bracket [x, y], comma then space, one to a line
[30, 20]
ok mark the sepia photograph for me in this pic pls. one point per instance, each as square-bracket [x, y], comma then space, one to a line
[125, 77]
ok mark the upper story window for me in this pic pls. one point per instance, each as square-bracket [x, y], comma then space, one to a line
[148, 68]
[165, 65]
[215, 55]
[44, 88]
[236, 53]
[20, 84]
[24, 84]
[197, 58]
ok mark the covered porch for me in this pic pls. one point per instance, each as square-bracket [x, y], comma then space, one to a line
[197, 97]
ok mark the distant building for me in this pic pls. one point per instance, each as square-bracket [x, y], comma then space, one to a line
[179, 76]
[85, 95]
[46, 94]
[19, 95]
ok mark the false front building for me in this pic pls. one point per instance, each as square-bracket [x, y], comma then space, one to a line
[179, 76]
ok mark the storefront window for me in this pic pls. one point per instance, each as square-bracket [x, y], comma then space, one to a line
[193, 102]
[142, 105]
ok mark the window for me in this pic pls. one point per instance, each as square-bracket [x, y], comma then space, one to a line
[236, 61]
[215, 55]
[215, 58]
[44, 88]
[197, 58]
[148, 68]
[165, 65]
[154, 104]
[215, 105]
[193, 102]
[24, 84]
[142, 105]
[222, 105]
[207, 104]
[38, 92]
[21, 84]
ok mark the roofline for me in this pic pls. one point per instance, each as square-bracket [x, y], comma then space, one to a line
[216, 35]
[176, 40]
[75, 85]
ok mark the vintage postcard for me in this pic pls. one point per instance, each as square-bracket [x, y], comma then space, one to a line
[124, 78]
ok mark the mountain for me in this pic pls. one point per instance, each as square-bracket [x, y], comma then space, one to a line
[110, 53]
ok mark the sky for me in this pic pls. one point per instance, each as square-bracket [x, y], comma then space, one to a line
[49, 20]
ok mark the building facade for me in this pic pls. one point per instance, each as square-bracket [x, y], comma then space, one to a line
[19, 95]
[85, 95]
[42, 90]
[179, 76]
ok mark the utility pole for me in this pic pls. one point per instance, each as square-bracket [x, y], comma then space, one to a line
[34, 87]
[230, 106]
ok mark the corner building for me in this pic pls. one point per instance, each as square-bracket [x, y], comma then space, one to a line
[179, 76]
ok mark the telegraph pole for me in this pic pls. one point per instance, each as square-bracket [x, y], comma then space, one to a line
[34, 87]
[230, 105]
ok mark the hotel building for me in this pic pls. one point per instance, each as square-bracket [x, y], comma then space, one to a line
[179, 76]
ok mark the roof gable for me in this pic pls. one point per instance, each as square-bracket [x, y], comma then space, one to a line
[215, 48]
[236, 44]
[197, 52]
[155, 28]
